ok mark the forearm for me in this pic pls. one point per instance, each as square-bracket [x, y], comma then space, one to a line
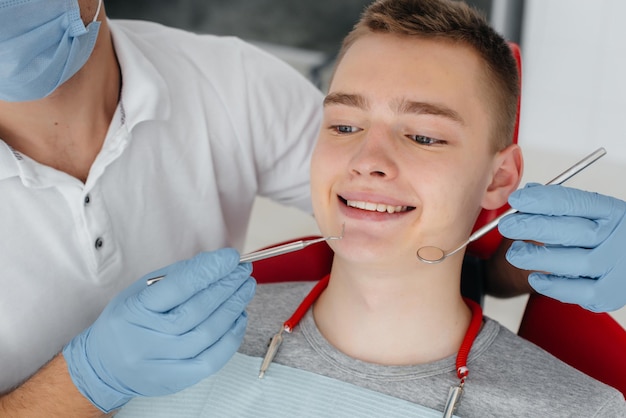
[49, 393]
[502, 279]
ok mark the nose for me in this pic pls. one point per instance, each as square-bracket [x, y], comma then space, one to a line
[375, 156]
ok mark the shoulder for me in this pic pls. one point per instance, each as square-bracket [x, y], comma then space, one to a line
[227, 54]
[517, 373]
[230, 74]
[271, 306]
[168, 36]
[277, 300]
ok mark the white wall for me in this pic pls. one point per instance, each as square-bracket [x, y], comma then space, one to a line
[574, 85]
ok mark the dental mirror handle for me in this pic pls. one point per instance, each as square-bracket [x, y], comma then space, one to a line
[270, 252]
[561, 178]
[263, 254]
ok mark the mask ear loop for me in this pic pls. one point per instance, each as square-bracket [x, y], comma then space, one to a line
[95, 18]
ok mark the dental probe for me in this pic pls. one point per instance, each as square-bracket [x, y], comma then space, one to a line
[272, 252]
[561, 178]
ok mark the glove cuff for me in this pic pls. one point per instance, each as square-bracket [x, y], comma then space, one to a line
[85, 378]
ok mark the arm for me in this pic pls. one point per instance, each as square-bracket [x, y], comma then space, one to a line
[48, 393]
[502, 279]
[148, 341]
[582, 258]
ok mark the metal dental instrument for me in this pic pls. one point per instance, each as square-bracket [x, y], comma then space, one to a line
[272, 349]
[284, 249]
[272, 252]
[434, 255]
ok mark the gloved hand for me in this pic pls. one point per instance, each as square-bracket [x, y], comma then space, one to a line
[584, 251]
[159, 339]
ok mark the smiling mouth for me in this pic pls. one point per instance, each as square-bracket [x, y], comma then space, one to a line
[375, 207]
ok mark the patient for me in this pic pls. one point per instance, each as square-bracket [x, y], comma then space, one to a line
[415, 141]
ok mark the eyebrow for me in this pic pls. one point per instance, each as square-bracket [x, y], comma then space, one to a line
[399, 106]
[426, 108]
[353, 100]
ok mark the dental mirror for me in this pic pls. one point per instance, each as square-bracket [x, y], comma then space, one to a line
[434, 255]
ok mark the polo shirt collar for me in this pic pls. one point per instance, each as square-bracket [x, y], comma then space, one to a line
[145, 93]
[8, 161]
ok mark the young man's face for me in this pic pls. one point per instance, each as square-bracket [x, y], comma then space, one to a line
[403, 156]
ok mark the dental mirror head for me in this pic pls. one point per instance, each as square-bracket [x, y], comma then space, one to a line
[433, 255]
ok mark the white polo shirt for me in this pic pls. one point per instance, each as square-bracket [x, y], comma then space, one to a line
[204, 125]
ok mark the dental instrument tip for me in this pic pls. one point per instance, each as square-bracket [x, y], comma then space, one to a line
[343, 229]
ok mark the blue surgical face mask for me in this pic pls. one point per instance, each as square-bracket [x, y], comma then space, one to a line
[43, 43]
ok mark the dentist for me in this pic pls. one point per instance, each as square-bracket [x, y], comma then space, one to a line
[126, 146]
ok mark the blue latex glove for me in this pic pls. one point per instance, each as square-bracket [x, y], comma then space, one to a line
[585, 244]
[159, 339]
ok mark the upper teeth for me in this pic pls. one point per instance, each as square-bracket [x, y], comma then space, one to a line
[376, 207]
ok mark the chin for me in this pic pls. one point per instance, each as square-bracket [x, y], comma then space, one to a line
[358, 250]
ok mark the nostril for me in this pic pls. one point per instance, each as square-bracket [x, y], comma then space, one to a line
[377, 173]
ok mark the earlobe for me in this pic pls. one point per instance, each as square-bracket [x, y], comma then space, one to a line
[507, 174]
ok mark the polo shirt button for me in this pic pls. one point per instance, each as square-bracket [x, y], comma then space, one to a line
[87, 200]
[99, 243]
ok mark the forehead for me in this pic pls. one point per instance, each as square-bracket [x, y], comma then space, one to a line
[391, 67]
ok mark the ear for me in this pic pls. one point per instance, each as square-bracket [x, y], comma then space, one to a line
[507, 173]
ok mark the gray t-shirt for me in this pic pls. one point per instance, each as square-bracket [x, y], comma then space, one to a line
[509, 376]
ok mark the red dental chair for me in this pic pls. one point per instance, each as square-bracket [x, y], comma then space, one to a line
[592, 343]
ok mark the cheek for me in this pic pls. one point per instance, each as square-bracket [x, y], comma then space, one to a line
[317, 167]
[465, 197]
[317, 159]
[453, 200]
[322, 168]
[327, 159]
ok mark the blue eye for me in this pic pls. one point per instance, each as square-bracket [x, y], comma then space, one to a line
[345, 129]
[425, 140]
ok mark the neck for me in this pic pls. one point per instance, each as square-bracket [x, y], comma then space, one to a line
[399, 317]
[66, 129]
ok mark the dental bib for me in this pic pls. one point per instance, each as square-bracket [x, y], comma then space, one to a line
[237, 391]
